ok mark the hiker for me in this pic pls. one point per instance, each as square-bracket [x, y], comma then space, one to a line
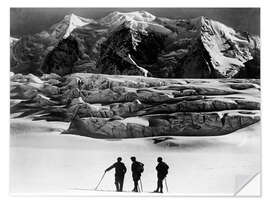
[162, 171]
[137, 169]
[120, 170]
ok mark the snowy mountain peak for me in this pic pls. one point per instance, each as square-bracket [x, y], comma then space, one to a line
[73, 19]
[226, 47]
[68, 24]
[116, 18]
[136, 42]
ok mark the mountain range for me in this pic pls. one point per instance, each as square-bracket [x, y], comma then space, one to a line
[139, 43]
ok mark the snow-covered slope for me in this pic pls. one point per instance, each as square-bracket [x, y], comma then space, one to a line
[191, 48]
[68, 24]
[117, 18]
[227, 48]
[43, 161]
[157, 115]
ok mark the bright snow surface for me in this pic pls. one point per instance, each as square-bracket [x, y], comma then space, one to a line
[43, 161]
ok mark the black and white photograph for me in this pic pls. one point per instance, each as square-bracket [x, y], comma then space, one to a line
[132, 101]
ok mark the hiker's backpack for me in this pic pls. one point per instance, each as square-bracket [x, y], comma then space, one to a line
[140, 167]
[165, 168]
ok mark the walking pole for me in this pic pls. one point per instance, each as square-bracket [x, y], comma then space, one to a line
[166, 185]
[100, 180]
[141, 185]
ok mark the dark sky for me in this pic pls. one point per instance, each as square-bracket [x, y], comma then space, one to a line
[32, 20]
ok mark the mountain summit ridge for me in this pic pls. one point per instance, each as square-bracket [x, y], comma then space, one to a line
[68, 24]
[117, 18]
[120, 42]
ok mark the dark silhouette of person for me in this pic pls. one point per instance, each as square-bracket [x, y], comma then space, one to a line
[162, 171]
[120, 170]
[137, 169]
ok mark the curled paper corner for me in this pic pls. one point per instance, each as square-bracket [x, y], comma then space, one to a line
[248, 185]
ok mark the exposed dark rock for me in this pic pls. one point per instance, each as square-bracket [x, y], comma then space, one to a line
[62, 58]
[252, 67]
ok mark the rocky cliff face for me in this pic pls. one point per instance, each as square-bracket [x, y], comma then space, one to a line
[138, 42]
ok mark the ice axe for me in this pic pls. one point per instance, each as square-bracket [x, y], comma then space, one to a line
[100, 180]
